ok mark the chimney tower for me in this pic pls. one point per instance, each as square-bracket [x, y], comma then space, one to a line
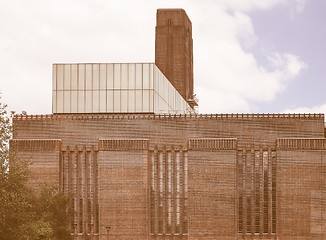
[174, 50]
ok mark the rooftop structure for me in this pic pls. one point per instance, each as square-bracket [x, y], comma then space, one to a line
[114, 88]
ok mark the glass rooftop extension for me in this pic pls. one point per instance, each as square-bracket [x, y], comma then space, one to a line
[114, 88]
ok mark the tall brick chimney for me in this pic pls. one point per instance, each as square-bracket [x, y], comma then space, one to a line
[174, 50]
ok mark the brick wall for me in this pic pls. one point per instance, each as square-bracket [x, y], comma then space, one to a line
[249, 129]
[42, 157]
[212, 190]
[123, 189]
[134, 152]
[301, 199]
[174, 49]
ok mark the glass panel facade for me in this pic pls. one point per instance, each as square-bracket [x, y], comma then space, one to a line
[103, 76]
[132, 76]
[103, 101]
[131, 101]
[114, 88]
[146, 101]
[81, 76]
[124, 76]
[116, 76]
[139, 76]
[89, 77]
[124, 101]
[96, 77]
[109, 101]
[74, 100]
[74, 78]
[81, 101]
[59, 101]
[88, 102]
[109, 76]
[59, 76]
[54, 79]
[96, 101]
[116, 101]
[66, 77]
[54, 101]
[139, 100]
[145, 76]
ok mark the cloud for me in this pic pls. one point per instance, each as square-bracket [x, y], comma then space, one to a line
[249, 5]
[288, 65]
[229, 65]
[300, 4]
[314, 109]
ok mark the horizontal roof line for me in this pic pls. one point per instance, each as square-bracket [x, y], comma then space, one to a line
[93, 116]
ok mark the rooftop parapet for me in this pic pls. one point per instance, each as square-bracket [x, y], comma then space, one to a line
[250, 116]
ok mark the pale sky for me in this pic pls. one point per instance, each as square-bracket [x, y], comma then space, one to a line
[250, 56]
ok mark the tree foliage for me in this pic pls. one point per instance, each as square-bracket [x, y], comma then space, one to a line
[25, 214]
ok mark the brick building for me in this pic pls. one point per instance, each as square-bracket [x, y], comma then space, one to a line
[142, 164]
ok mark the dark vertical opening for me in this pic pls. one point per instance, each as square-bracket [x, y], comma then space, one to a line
[248, 214]
[80, 215]
[240, 213]
[256, 201]
[265, 202]
[273, 194]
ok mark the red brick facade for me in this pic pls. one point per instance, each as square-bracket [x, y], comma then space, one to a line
[183, 177]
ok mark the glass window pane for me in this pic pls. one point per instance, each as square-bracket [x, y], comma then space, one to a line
[54, 101]
[131, 101]
[103, 76]
[151, 101]
[156, 110]
[81, 76]
[173, 98]
[165, 89]
[116, 76]
[132, 76]
[88, 107]
[66, 77]
[96, 76]
[96, 101]
[145, 76]
[59, 77]
[124, 76]
[59, 101]
[109, 75]
[139, 76]
[170, 95]
[146, 101]
[109, 99]
[151, 76]
[160, 85]
[139, 100]
[178, 104]
[102, 101]
[66, 101]
[124, 101]
[74, 80]
[156, 78]
[116, 101]
[89, 76]
[81, 101]
[73, 102]
[54, 77]
[161, 105]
